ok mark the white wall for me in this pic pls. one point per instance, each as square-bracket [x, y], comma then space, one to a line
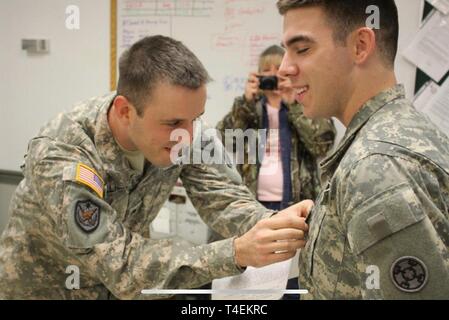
[76, 68]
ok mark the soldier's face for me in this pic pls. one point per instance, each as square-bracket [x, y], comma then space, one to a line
[319, 68]
[170, 107]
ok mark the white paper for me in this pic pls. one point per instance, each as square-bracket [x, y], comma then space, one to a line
[429, 51]
[438, 108]
[425, 94]
[442, 5]
[162, 222]
[272, 277]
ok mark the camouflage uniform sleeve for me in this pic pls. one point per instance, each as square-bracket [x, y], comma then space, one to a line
[242, 116]
[395, 229]
[87, 228]
[221, 199]
[318, 136]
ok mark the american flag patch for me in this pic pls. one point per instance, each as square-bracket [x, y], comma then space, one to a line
[90, 178]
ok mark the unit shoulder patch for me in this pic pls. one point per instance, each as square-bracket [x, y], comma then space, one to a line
[87, 215]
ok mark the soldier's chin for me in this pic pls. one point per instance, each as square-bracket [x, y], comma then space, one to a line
[310, 112]
[164, 162]
[161, 160]
[169, 160]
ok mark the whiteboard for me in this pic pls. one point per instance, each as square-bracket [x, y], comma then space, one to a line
[227, 36]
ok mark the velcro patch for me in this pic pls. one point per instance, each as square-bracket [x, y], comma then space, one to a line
[89, 177]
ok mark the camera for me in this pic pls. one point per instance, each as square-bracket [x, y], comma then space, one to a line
[268, 83]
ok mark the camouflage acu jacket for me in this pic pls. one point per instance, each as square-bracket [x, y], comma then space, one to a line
[310, 140]
[81, 204]
[380, 229]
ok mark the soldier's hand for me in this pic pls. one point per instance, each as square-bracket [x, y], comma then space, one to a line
[301, 209]
[252, 87]
[287, 92]
[274, 239]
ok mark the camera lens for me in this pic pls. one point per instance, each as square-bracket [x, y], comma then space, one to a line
[268, 83]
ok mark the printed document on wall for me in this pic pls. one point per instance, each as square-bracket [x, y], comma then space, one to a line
[429, 51]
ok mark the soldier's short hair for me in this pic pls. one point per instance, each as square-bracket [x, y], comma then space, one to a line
[154, 60]
[271, 55]
[344, 16]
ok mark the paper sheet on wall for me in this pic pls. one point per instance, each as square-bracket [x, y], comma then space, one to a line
[437, 109]
[429, 51]
[442, 5]
[272, 277]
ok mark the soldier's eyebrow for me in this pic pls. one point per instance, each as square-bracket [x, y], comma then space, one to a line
[180, 119]
[296, 39]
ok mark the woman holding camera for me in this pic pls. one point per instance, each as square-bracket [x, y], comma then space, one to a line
[288, 170]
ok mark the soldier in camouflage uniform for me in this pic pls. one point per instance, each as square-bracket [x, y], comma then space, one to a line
[87, 198]
[306, 139]
[380, 228]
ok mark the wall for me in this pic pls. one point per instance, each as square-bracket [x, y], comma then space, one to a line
[35, 87]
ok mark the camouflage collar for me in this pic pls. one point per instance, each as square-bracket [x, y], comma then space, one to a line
[360, 119]
[114, 160]
[372, 106]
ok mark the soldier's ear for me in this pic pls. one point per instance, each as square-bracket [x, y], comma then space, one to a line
[363, 45]
[122, 109]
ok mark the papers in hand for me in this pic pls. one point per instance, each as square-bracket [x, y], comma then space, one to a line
[272, 278]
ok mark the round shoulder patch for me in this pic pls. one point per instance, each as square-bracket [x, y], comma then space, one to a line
[87, 215]
[409, 274]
